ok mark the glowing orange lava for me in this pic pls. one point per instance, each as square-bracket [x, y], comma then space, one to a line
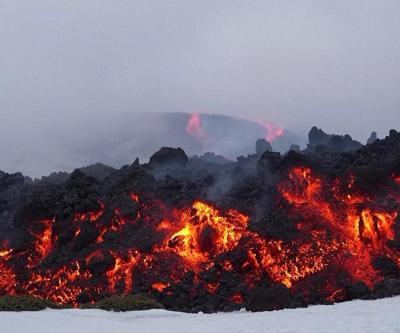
[272, 131]
[360, 232]
[159, 286]
[204, 232]
[337, 228]
[122, 270]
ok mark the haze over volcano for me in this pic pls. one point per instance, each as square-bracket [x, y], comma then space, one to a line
[117, 141]
[72, 80]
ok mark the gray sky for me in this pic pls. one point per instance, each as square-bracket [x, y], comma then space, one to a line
[332, 63]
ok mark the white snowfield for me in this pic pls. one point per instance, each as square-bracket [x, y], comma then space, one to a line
[356, 316]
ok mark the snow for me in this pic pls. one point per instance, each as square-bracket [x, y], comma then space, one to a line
[356, 316]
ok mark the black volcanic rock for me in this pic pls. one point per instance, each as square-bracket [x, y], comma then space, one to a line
[54, 178]
[98, 171]
[167, 156]
[101, 264]
[317, 136]
[387, 267]
[269, 161]
[387, 288]
[88, 236]
[268, 299]
[357, 290]
[212, 158]
[319, 141]
[8, 180]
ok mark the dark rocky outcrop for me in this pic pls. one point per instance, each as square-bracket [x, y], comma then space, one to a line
[373, 137]
[169, 157]
[319, 141]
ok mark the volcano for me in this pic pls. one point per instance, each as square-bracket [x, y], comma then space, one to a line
[114, 139]
[265, 232]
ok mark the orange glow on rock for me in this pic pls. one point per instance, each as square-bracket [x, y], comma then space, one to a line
[7, 275]
[134, 197]
[336, 228]
[43, 241]
[237, 298]
[159, 286]
[204, 233]
[122, 271]
[359, 232]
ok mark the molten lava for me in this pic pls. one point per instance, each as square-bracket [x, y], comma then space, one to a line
[122, 270]
[337, 228]
[204, 233]
[357, 226]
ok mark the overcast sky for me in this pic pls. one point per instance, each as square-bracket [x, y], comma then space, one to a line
[333, 63]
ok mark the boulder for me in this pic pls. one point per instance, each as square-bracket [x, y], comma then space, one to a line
[167, 156]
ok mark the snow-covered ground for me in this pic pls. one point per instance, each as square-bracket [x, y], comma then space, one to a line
[357, 316]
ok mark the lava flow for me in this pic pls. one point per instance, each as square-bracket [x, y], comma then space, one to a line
[203, 232]
[359, 229]
[199, 250]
